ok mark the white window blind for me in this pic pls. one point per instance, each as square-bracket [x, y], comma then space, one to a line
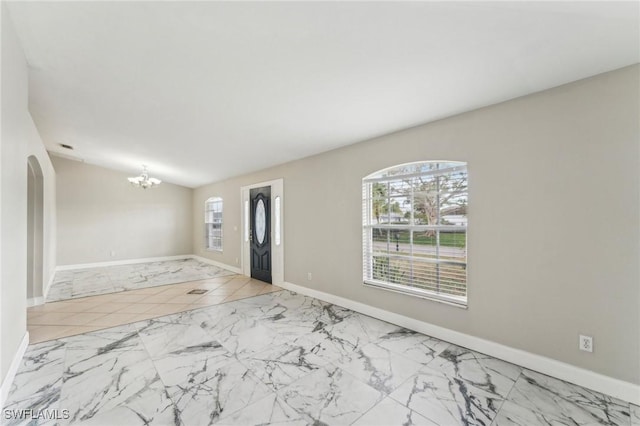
[213, 223]
[415, 230]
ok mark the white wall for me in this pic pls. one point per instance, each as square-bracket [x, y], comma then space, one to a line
[553, 221]
[99, 212]
[19, 140]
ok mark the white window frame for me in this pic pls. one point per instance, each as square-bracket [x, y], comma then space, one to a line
[445, 277]
[213, 219]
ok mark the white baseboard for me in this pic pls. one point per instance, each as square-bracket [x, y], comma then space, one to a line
[617, 388]
[34, 301]
[13, 369]
[122, 262]
[218, 264]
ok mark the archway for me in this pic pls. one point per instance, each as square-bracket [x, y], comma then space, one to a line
[35, 241]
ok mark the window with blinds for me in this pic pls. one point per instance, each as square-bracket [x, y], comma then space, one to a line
[415, 230]
[213, 223]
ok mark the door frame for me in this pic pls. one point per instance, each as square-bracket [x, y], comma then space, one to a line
[277, 251]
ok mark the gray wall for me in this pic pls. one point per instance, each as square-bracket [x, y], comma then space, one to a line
[99, 212]
[553, 220]
[19, 140]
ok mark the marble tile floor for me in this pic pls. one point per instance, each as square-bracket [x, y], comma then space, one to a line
[110, 279]
[81, 315]
[286, 359]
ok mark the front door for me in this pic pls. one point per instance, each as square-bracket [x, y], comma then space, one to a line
[261, 233]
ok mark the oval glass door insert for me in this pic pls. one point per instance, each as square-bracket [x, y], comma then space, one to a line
[261, 222]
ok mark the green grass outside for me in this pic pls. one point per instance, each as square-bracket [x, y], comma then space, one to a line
[447, 239]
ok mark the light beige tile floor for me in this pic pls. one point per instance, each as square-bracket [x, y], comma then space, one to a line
[76, 316]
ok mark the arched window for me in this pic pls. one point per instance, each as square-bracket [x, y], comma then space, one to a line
[414, 221]
[213, 223]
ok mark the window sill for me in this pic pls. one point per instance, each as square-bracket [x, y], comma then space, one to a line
[447, 300]
[214, 250]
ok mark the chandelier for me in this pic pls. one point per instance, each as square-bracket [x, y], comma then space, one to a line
[144, 181]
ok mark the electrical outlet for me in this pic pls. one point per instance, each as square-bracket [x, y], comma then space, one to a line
[586, 343]
[113, 253]
[236, 260]
[309, 276]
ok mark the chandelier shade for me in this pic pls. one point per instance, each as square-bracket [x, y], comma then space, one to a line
[144, 181]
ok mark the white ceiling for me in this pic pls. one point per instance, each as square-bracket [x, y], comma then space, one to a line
[201, 91]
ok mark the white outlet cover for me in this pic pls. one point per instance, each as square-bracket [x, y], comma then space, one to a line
[586, 343]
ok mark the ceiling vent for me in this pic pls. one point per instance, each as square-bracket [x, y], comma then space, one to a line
[65, 146]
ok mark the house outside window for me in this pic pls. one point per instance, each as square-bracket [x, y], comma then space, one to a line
[415, 230]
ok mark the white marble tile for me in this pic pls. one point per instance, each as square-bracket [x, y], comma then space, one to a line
[635, 415]
[63, 276]
[93, 281]
[297, 325]
[288, 307]
[93, 289]
[331, 347]
[121, 338]
[280, 366]
[330, 396]
[170, 334]
[38, 382]
[219, 320]
[291, 314]
[150, 407]
[447, 400]
[244, 341]
[379, 367]
[284, 358]
[231, 388]
[288, 299]
[389, 412]
[270, 410]
[199, 360]
[361, 329]
[60, 290]
[415, 346]
[542, 400]
[95, 383]
[483, 371]
[195, 363]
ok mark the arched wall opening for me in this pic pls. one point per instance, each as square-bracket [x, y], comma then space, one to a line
[35, 226]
